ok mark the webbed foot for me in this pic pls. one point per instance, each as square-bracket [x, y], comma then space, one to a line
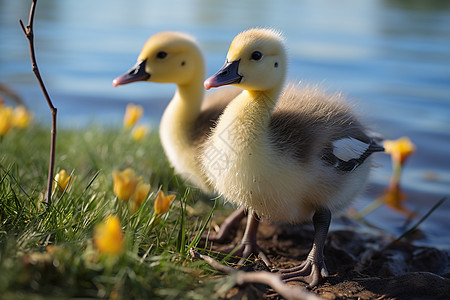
[246, 249]
[313, 269]
[310, 271]
[249, 245]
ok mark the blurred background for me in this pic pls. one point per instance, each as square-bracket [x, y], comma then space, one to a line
[392, 58]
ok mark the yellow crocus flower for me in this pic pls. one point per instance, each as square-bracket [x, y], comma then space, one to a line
[141, 193]
[132, 114]
[162, 202]
[125, 183]
[399, 149]
[62, 180]
[5, 119]
[139, 132]
[395, 198]
[21, 117]
[108, 237]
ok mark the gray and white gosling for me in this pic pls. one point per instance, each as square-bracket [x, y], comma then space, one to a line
[290, 154]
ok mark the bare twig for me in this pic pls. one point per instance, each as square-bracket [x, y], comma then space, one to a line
[213, 263]
[28, 31]
[11, 94]
[271, 279]
[275, 282]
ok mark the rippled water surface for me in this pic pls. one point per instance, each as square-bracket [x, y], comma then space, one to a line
[391, 57]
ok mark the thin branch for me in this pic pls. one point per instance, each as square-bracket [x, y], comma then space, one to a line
[11, 94]
[28, 31]
[213, 263]
[271, 279]
[274, 281]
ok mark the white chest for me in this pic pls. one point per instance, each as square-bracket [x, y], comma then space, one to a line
[244, 168]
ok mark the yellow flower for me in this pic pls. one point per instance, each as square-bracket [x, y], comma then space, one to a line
[21, 117]
[62, 180]
[394, 198]
[132, 114]
[162, 203]
[141, 193]
[108, 237]
[139, 132]
[399, 149]
[125, 183]
[5, 119]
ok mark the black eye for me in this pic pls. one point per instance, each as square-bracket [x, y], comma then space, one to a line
[161, 54]
[256, 55]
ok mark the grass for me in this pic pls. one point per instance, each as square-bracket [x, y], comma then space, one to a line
[50, 253]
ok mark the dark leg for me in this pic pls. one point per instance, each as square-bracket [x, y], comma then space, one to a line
[249, 244]
[231, 222]
[313, 269]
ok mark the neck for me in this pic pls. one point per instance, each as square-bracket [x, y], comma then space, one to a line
[246, 119]
[267, 99]
[259, 105]
[186, 102]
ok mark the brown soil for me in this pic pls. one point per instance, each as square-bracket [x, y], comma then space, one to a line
[357, 268]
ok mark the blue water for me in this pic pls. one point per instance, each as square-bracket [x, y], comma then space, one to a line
[390, 57]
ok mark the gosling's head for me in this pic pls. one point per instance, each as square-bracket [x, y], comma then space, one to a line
[256, 61]
[167, 57]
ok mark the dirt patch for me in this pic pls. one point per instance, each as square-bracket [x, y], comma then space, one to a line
[357, 268]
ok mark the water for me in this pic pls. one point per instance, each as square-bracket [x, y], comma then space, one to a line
[391, 57]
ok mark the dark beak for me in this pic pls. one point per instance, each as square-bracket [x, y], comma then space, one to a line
[136, 73]
[228, 74]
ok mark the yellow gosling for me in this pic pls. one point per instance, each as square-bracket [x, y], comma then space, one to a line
[289, 153]
[174, 57]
